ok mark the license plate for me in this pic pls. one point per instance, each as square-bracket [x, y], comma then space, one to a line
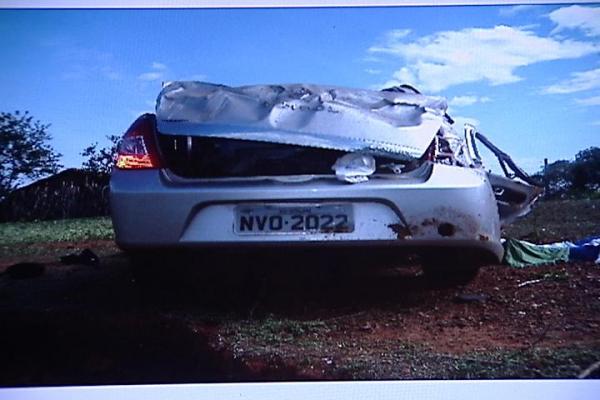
[275, 219]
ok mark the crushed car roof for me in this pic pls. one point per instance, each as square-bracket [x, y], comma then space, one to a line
[393, 123]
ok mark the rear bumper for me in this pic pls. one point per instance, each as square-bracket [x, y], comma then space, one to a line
[150, 209]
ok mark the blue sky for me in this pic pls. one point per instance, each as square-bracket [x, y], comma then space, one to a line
[528, 75]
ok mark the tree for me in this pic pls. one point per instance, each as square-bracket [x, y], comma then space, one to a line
[577, 177]
[557, 177]
[586, 170]
[24, 151]
[101, 161]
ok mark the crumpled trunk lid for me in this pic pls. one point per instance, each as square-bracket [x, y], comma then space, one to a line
[393, 124]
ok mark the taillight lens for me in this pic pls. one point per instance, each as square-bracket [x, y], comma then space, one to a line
[138, 149]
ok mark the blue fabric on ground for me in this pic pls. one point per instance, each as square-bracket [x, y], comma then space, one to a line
[591, 241]
[587, 249]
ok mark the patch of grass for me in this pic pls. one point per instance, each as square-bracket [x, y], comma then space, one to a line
[65, 230]
[41, 252]
[417, 362]
[311, 343]
[273, 330]
[556, 220]
[535, 363]
[265, 336]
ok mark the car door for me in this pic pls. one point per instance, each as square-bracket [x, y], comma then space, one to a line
[516, 191]
[514, 198]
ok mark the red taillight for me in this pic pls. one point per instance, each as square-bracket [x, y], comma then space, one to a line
[138, 149]
[125, 161]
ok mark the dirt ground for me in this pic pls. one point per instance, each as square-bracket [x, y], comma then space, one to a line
[255, 317]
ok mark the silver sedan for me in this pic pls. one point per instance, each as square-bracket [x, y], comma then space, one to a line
[309, 165]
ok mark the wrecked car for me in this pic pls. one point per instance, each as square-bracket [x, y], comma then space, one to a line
[313, 165]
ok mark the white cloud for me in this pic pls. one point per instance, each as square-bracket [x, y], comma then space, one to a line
[159, 66]
[372, 71]
[402, 76]
[589, 101]
[397, 33]
[372, 59]
[443, 59]
[587, 19]
[514, 10]
[461, 101]
[157, 72]
[150, 76]
[83, 63]
[578, 82]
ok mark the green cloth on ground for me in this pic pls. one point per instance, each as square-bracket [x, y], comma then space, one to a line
[520, 254]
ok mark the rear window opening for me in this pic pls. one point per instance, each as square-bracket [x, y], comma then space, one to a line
[208, 157]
